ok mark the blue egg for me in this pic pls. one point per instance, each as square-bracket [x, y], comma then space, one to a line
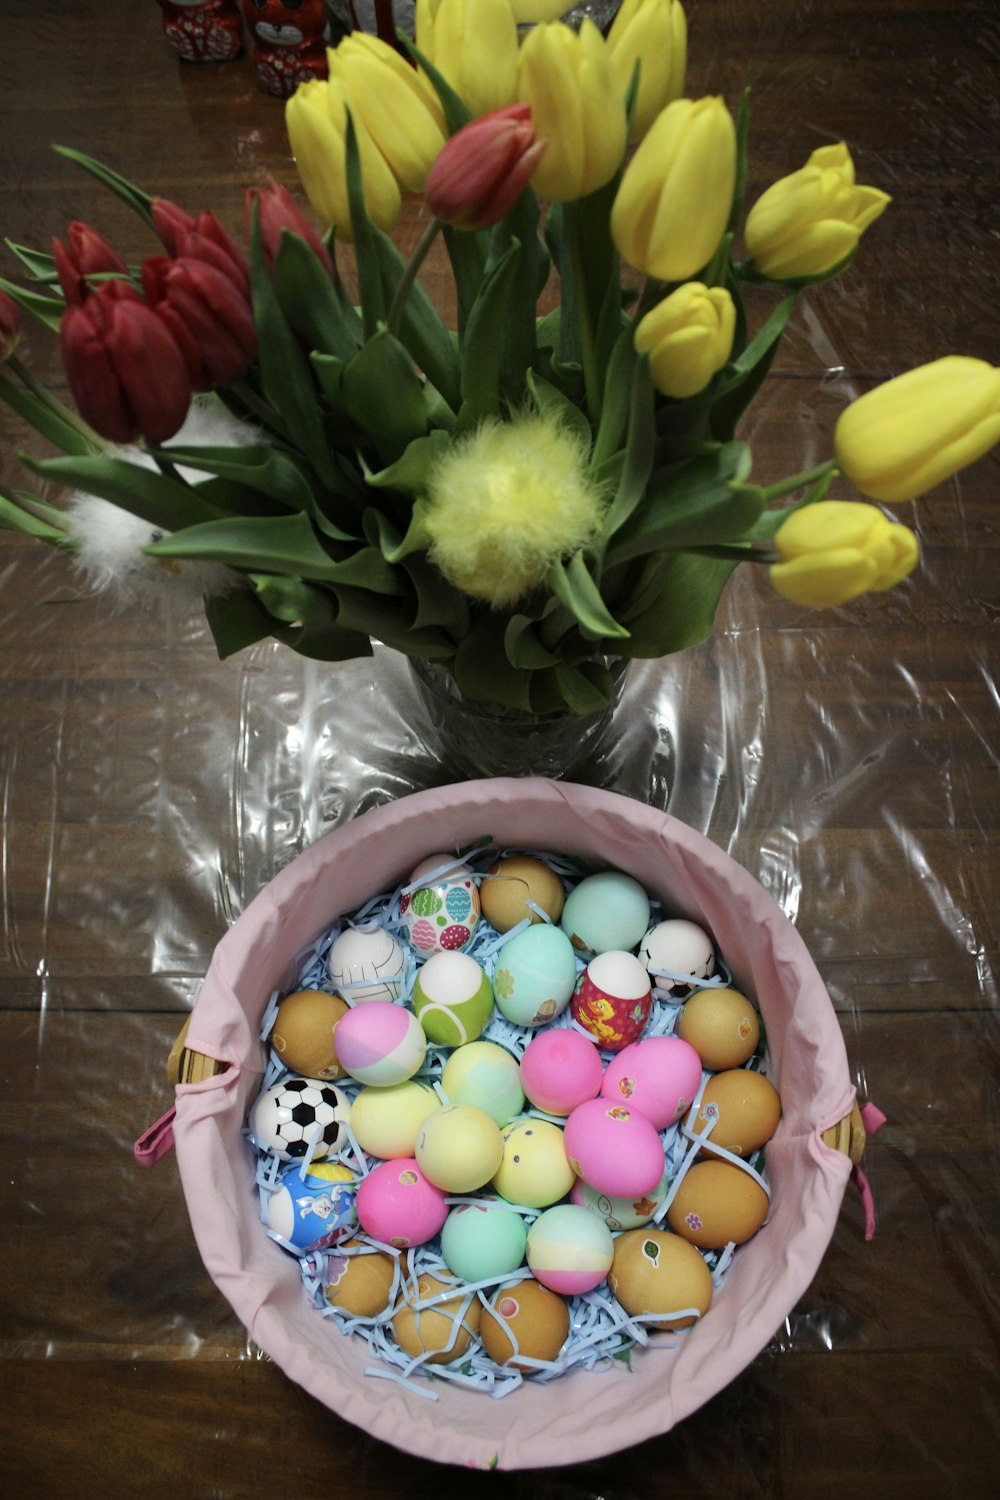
[605, 913]
[315, 1211]
[535, 975]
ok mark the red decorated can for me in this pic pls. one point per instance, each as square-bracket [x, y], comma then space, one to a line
[203, 30]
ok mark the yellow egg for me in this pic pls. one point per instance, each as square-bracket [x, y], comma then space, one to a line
[459, 1147]
[715, 1203]
[514, 881]
[432, 1327]
[302, 1034]
[655, 1272]
[747, 1109]
[359, 1285]
[537, 1318]
[535, 1170]
[387, 1121]
[722, 1027]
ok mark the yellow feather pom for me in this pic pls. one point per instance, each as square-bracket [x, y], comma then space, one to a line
[505, 502]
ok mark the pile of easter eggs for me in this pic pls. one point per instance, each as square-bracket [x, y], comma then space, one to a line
[526, 1087]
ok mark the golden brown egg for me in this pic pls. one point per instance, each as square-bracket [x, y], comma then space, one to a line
[538, 1319]
[722, 1027]
[747, 1109]
[654, 1271]
[431, 1328]
[359, 1284]
[715, 1203]
[302, 1034]
[514, 881]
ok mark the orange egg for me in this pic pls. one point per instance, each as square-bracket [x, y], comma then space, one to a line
[514, 881]
[302, 1034]
[537, 1318]
[722, 1027]
[747, 1109]
[359, 1285]
[715, 1203]
[654, 1272]
[431, 1328]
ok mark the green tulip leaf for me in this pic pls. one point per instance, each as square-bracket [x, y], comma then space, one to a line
[574, 587]
[284, 544]
[329, 371]
[237, 620]
[308, 298]
[421, 331]
[639, 454]
[127, 191]
[619, 398]
[742, 379]
[483, 373]
[391, 620]
[26, 513]
[552, 403]
[456, 112]
[701, 501]
[417, 537]
[587, 688]
[524, 647]
[483, 670]
[165, 504]
[382, 394]
[286, 375]
[683, 612]
[40, 267]
[48, 310]
[310, 614]
[742, 155]
[370, 289]
[467, 252]
[519, 226]
[57, 425]
[409, 472]
[437, 603]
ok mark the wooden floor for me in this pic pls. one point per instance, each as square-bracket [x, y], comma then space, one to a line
[848, 759]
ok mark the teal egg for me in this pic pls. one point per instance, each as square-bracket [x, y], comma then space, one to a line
[535, 975]
[606, 912]
[482, 1240]
[486, 1075]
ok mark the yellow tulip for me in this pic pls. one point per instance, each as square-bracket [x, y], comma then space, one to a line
[577, 106]
[654, 34]
[396, 105]
[529, 12]
[316, 120]
[676, 193]
[474, 44]
[907, 435]
[804, 224]
[688, 336]
[837, 549]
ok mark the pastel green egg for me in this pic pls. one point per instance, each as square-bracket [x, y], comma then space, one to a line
[482, 1240]
[606, 911]
[486, 1075]
[535, 975]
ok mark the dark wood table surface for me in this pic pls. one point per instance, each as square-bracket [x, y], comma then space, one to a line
[848, 759]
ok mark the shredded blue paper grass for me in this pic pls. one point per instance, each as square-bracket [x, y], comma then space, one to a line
[601, 1332]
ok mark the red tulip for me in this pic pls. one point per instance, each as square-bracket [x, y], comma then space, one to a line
[127, 374]
[484, 168]
[88, 254]
[279, 211]
[202, 238]
[10, 325]
[210, 320]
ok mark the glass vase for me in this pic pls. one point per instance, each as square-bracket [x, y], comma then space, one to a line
[477, 739]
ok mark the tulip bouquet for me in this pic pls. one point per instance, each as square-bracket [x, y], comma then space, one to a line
[533, 493]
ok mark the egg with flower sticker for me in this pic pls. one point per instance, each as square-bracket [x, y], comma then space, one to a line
[534, 975]
[656, 1272]
[524, 1322]
[441, 909]
[722, 1026]
[716, 1204]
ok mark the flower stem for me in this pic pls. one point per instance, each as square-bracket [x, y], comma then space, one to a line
[798, 481]
[416, 260]
[585, 313]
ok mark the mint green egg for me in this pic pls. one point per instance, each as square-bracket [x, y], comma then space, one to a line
[482, 1240]
[535, 975]
[606, 912]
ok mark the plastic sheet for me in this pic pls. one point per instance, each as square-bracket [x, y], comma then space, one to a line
[848, 760]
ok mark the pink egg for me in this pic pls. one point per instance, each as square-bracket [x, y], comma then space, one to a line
[612, 1000]
[614, 1148]
[397, 1205]
[380, 1043]
[559, 1070]
[658, 1076]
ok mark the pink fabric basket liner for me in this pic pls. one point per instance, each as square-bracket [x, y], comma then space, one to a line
[582, 1415]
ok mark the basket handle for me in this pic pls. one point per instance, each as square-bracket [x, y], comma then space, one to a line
[187, 1066]
[848, 1135]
